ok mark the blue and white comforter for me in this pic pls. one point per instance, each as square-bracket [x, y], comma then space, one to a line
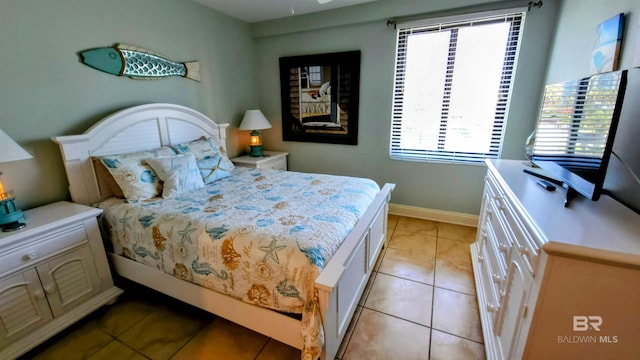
[260, 235]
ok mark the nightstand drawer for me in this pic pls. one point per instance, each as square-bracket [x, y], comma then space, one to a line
[42, 247]
[271, 160]
[276, 164]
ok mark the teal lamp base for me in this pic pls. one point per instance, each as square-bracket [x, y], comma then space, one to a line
[256, 151]
[11, 219]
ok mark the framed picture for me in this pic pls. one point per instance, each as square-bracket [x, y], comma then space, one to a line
[319, 96]
[606, 53]
[636, 57]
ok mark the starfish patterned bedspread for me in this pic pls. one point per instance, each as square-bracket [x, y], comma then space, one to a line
[260, 235]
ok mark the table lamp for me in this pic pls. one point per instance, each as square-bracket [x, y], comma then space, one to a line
[254, 120]
[11, 218]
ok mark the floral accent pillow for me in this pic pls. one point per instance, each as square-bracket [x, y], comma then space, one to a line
[212, 160]
[137, 180]
[179, 173]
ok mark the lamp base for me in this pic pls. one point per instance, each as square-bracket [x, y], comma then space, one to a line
[256, 151]
[11, 218]
[13, 226]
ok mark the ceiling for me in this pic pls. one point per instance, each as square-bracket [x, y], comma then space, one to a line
[261, 10]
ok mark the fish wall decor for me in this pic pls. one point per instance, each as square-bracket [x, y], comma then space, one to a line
[138, 63]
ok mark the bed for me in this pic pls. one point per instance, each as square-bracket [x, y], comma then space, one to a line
[327, 297]
[315, 107]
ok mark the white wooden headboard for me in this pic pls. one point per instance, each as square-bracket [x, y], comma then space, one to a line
[143, 127]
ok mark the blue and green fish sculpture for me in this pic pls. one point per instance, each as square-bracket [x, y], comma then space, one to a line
[138, 63]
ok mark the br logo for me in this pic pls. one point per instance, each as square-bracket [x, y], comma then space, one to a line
[585, 323]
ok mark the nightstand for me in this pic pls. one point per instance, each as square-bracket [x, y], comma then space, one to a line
[52, 273]
[272, 160]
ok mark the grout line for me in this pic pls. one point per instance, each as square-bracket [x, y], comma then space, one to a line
[404, 278]
[458, 336]
[134, 350]
[103, 346]
[262, 348]
[396, 317]
[456, 291]
[433, 295]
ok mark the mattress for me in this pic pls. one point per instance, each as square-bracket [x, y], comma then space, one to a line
[260, 235]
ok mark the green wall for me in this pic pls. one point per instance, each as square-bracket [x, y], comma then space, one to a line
[577, 32]
[456, 188]
[46, 91]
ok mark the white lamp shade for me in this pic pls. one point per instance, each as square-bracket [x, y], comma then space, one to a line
[10, 150]
[254, 120]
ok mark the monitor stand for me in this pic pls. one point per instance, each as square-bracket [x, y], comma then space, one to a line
[571, 192]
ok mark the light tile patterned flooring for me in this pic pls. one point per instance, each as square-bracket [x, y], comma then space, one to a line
[420, 304]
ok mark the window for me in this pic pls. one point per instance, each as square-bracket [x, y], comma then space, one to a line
[452, 87]
[315, 75]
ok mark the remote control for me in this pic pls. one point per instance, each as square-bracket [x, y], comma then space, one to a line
[546, 185]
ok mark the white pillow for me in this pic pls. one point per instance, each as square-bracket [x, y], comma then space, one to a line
[179, 173]
[137, 180]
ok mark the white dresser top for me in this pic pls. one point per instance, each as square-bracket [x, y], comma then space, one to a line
[47, 218]
[603, 230]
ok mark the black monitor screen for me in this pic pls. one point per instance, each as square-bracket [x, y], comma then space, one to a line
[576, 128]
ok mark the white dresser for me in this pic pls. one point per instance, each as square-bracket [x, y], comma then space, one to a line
[52, 273]
[555, 282]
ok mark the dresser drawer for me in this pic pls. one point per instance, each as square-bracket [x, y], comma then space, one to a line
[42, 247]
[492, 187]
[507, 226]
[500, 234]
[489, 288]
[496, 258]
[522, 241]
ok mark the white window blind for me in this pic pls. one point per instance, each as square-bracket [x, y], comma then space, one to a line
[453, 81]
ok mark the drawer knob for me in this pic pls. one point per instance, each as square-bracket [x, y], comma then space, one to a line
[492, 308]
[50, 289]
[497, 278]
[480, 258]
[30, 256]
[39, 294]
[502, 247]
[523, 251]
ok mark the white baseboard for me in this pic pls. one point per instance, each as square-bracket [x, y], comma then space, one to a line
[435, 215]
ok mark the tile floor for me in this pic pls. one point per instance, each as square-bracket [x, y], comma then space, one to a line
[420, 304]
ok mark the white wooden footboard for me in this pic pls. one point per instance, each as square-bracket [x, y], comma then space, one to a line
[340, 285]
[342, 282]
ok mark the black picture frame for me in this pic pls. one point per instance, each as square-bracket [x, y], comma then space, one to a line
[320, 97]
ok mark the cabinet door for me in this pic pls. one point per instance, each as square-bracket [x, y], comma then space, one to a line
[23, 305]
[69, 279]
